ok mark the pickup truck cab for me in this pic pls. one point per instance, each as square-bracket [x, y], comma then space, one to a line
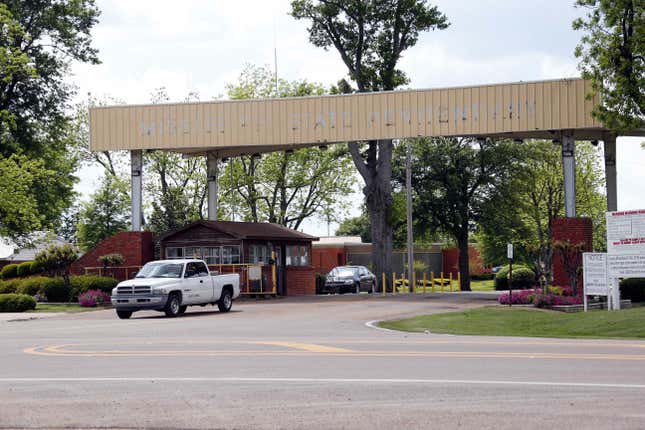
[171, 286]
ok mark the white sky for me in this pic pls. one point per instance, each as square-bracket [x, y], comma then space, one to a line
[203, 44]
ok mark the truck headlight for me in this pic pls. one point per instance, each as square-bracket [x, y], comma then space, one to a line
[157, 292]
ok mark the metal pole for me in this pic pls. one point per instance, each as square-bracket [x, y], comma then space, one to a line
[212, 173]
[136, 172]
[408, 212]
[610, 173]
[569, 171]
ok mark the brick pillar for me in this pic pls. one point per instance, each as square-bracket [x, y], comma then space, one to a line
[575, 230]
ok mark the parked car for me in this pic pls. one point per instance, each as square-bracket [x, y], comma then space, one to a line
[354, 279]
[171, 286]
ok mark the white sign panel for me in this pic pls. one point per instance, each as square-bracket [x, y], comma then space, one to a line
[626, 232]
[626, 266]
[255, 273]
[509, 251]
[594, 274]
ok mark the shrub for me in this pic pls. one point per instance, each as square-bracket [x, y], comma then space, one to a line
[24, 269]
[56, 260]
[521, 297]
[549, 300]
[16, 303]
[523, 278]
[93, 298]
[55, 290]
[81, 284]
[483, 277]
[32, 286]
[633, 289]
[9, 271]
[36, 268]
[9, 286]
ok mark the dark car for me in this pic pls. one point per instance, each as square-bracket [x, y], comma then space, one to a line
[350, 279]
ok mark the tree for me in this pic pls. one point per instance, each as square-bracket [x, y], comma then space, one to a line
[371, 37]
[57, 260]
[106, 214]
[38, 41]
[612, 56]
[453, 179]
[526, 204]
[290, 186]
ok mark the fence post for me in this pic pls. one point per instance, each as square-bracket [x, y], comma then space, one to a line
[414, 282]
[384, 285]
[274, 277]
[458, 281]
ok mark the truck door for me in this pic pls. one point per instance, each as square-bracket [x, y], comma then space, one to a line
[193, 284]
[205, 287]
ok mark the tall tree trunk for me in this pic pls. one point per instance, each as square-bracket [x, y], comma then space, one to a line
[464, 261]
[376, 170]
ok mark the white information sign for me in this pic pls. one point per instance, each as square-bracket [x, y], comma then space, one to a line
[255, 273]
[626, 232]
[626, 266]
[594, 274]
[509, 251]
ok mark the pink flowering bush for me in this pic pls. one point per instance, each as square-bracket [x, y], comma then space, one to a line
[549, 300]
[520, 297]
[92, 298]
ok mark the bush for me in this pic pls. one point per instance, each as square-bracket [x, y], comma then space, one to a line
[9, 271]
[16, 303]
[523, 278]
[10, 286]
[55, 290]
[549, 300]
[24, 269]
[633, 289]
[93, 298]
[32, 286]
[36, 268]
[81, 284]
[483, 277]
[521, 297]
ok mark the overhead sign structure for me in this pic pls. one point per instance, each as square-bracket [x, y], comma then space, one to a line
[522, 109]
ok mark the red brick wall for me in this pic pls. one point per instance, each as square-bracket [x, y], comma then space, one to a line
[300, 281]
[450, 259]
[575, 230]
[136, 247]
[326, 258]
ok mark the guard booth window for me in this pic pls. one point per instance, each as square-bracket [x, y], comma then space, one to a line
[297, 256]
[258, 254]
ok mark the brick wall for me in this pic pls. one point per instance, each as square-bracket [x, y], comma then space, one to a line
[575, 230]
[136, 247]
[326, 258]
[300, 281]
[450, 259]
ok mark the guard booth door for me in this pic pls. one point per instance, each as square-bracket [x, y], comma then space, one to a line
[279, 262]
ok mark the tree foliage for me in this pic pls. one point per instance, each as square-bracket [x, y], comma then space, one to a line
[612, 55]
[453, 180]
[38, 41]
[371, 37]
[290, 186]
[105, 214]
[56, 260]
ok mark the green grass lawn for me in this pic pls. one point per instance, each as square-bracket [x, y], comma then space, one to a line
[67, 307]
[499, 321]
[488, 285]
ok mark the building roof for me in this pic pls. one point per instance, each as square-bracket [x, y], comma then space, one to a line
[28, 253]
[247, 230]
[338, 241]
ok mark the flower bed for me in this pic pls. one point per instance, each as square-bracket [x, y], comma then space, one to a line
[93, 298]
[556, 296]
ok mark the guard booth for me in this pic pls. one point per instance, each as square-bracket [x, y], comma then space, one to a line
[270, 258]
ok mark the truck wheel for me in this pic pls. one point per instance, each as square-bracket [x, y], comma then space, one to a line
[173, 305]
[225, 302]
[182, 309]
[124, 315]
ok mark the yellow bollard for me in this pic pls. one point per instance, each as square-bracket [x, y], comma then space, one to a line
[414, 282]
[459, 281]
[432, 281]
[424, 282]
[384, 285]
[393, 282]
[451, 282]
[442, 282]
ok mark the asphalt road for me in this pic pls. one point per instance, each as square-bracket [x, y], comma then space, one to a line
[311, 364]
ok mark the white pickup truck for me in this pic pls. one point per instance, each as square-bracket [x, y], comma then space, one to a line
[173, 285]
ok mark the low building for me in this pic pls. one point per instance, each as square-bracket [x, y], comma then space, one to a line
[40, 242]
[283, 254]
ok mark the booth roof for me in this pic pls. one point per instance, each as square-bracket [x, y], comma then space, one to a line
[247, 230]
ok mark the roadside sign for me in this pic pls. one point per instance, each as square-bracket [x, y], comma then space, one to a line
[626, 265]
[594, 274]
[255, 273]
[509, 251]
[626, 232]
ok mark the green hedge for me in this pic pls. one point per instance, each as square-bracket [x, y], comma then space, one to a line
[81, 284]
[9, 286]
[483, 277]
[24, 269]
[9, 271]
[523, 278]
[633, 289]
[16, 303]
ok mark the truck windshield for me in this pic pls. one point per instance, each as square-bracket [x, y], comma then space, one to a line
[160, 270]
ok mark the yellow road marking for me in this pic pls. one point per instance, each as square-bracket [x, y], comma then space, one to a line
[310, 347]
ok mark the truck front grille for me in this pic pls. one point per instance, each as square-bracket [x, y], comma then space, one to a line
[125, 290]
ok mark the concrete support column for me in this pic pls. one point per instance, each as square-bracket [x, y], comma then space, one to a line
[610, 173]
[136, 172]
[212, 172]
[569, 170]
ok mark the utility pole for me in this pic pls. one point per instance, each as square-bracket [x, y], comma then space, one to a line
[408, 212]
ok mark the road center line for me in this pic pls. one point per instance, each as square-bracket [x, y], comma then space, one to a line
[329, 381]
